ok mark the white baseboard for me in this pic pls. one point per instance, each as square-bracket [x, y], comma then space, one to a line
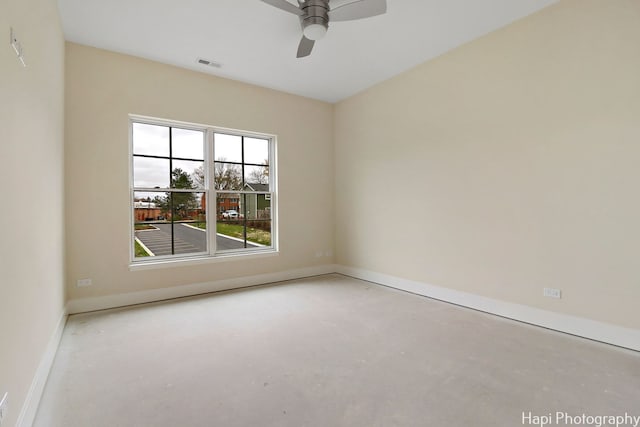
[591, 329]
[586, 328]
[82, 305]
[31, 403]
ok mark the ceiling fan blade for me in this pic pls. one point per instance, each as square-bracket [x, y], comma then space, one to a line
[358, 9]
[305, 47]
[286, 6]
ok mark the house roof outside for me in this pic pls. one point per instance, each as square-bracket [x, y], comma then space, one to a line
[264, 188]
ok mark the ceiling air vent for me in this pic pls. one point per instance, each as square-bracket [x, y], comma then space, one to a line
[208, 63]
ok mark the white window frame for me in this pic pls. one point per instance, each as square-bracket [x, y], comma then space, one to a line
[211, 255]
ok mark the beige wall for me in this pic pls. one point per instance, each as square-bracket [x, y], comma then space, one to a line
[104, 87]
[31, 152]
[505, 166]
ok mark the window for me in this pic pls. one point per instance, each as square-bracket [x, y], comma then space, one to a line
[178, 169]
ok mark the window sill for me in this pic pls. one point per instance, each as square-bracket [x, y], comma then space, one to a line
[185, 262]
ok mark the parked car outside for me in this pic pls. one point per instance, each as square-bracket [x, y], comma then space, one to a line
[230, 214]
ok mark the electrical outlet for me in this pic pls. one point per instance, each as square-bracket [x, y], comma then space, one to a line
[552, 293]
[83, 283]
[4, 407]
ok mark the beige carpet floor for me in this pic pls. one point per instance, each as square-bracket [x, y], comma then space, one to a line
[325, 351]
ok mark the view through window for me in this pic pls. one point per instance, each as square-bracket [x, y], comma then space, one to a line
[178, 170]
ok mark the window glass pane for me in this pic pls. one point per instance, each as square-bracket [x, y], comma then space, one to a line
[258, 206]
[227, 148]
[247, 228]
[150, 172]
[227, 176]
[257, 211]
[150, 140]
[187, 174]
[147, 212]
[147, 207]
[188, 144]
[169, 223]
[256, 178]
[230, 225]
[256, 151]
[186, 206]
[228, 206]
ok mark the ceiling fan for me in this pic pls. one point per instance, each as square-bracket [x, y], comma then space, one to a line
[316, 14]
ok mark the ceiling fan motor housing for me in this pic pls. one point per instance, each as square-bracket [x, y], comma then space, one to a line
[315, 20]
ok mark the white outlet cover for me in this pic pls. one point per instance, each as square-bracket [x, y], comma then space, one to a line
[552, 293]
[81, 283]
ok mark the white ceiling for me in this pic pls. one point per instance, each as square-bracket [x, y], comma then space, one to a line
[257, 43]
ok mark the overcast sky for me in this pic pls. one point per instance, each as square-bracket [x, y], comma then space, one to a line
[154, 140]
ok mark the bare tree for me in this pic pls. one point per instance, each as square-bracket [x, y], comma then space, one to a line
[227, 176]
[260, 175]
[198, 176]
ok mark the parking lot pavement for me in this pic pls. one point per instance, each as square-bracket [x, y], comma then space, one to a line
[159, 241]
[186, 240]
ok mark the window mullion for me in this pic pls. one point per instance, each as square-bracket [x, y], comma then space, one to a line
[171, 210]
[244, 200]
[212, 195]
